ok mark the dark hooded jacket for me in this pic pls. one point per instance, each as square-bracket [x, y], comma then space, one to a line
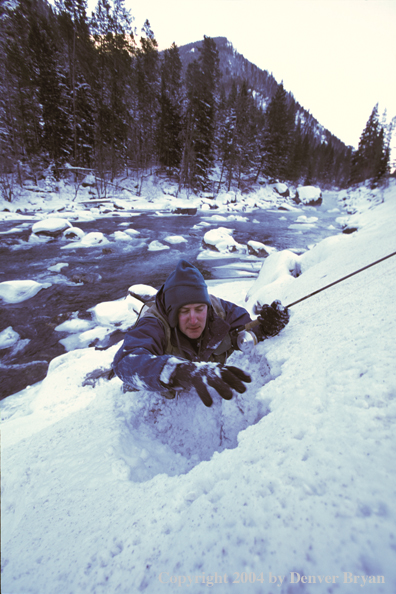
[152, 341]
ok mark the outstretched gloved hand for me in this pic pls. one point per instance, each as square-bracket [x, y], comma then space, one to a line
[272, 319]
[223, 378]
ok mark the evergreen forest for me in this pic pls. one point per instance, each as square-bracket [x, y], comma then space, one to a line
[92, 93]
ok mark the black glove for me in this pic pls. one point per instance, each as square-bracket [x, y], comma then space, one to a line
[273, 318]
[223, 378]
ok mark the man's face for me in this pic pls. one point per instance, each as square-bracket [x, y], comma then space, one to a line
[192, 319]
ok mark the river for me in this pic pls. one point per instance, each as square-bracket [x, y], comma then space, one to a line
[104, 273]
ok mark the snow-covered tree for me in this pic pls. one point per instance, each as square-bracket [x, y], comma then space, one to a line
[200, 119]
[278, 131]
[112, 30]
[169, 144]
[371, 160]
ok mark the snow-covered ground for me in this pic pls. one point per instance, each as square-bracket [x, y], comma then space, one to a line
[289, 487]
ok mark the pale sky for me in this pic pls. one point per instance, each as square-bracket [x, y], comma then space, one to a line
[337, 57]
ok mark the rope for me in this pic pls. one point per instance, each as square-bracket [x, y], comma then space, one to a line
[341, 279]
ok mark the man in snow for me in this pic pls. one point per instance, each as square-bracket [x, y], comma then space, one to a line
[184, 339]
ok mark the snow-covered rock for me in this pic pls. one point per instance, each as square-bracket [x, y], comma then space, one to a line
[75, 325]
[58, 267]
[221, 240]
[89, 181]
[17, 291]
[307, 220]
[8, 338]
[121, 313]
[174, 239]
[308, 195]
[89, 240]
[287, 207]
[132, 232]
[259, 249]
[279, 269]
[73, 233]
[122, 236]
[50, 227]
[82, 340]
[94, 238]
[121, 204]
[157, 246]
[281, 189]
[143, 293]
[188, 210]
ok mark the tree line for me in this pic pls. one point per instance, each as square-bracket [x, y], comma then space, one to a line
[89, 92]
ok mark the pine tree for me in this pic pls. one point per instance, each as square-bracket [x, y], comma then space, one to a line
[20, 114]
[238, 137]
[79, 63]
[277, 135]
[52, 91]
[296, 154]
[169, 145]
[145, 92]
[371, 159]
[112, 30]
[202, 79]
[227, 127]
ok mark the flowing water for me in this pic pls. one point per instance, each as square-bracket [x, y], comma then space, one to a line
[104, 273]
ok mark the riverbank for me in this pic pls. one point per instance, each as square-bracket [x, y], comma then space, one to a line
[83, 201]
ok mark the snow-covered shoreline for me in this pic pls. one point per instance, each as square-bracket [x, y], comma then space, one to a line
[59, 199]
[111, 492]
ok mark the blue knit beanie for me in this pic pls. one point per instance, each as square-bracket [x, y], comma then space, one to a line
[183, 286]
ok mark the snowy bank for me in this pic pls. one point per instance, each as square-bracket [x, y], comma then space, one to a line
[64, 201]
[280, 488]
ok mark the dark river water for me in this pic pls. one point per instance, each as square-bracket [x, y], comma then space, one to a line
[104, 273]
